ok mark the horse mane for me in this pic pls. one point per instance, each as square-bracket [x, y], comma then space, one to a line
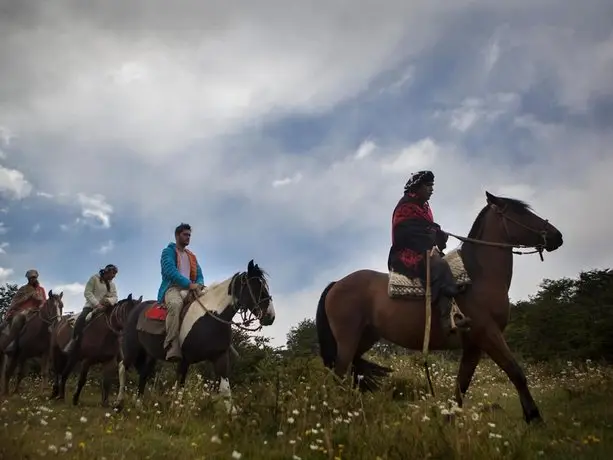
[470, 260]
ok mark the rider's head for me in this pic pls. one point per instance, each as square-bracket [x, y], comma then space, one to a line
[109, 272]
[32, 277]
[183, 233]
[421, 184]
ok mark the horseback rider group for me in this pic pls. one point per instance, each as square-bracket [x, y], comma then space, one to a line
[414, 232]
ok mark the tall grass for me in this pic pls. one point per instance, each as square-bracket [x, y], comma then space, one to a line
[296, 410]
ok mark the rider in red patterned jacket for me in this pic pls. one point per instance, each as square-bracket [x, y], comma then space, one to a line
[413, 233]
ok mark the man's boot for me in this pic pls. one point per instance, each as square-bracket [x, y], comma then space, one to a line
[174, 351]
[76, 333]
[444, 308]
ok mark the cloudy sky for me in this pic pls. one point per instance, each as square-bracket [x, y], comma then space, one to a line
[286, 133]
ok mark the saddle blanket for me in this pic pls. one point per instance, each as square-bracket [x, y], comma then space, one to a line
[402, 286]
[153, 318]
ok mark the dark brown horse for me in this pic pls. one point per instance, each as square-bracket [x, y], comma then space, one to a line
[32, 335]
[356, 311]
[99, 344]
[205, 333]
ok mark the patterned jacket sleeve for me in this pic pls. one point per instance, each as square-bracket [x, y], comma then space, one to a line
[411, 228]
[170, 271]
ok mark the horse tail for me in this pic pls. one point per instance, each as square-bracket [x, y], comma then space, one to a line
[327, 342]
[366, 374]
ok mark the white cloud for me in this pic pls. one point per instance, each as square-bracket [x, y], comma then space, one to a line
[5, 274]
[419, 155]
[167, 117]
[106, 247]
[3, 247]
[13, 184]
[73, 296]
[287, 180]
[365, 149]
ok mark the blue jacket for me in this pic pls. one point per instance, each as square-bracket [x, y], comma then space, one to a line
[171, 274]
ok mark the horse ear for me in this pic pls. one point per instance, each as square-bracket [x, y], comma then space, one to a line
[130, 297]
[50, 293]
[250, 266]
[491, 199]
[140, 299]
[61, 295]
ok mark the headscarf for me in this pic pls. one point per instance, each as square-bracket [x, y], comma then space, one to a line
[417, 180]
[31, 274]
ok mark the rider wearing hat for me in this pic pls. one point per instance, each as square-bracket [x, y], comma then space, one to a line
[29, 296]
[100, 292]
[413, 233]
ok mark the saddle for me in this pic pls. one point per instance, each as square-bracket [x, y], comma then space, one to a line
[401, 286]
[152, 320]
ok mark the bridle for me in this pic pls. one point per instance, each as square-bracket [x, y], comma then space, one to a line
[43, 311]
[538, 248]
[238, 283]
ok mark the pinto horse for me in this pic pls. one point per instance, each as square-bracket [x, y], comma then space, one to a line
[356, 311]
[32, 340]
[205, 332]
[99, 344]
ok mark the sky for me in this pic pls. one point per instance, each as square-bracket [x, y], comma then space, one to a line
[285, 134]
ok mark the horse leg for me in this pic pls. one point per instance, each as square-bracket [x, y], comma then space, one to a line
[181, 373]
[471, 355]
[10, 366]
[3, 380]
[59, 362]
[71, 362]
[144, 372]
[45, 370]
[82, 379]
[108, 370]
[222, 370]
[496, 347]
[21, 372]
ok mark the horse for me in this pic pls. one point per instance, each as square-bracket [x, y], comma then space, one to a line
[356, 311]
[32, 336]
[205, 332]
[99, 344]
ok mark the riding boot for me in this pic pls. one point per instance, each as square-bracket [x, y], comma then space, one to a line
[76, 333]
[444, 307]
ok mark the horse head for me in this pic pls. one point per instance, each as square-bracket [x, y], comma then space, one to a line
[54, 305]
[522, 226]
[253, 294]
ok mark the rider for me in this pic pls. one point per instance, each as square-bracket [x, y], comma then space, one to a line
[181, 273]
[29, 296]
[413, 233]
[100, 292]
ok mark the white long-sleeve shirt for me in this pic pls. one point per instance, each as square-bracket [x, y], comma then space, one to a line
[96, 291]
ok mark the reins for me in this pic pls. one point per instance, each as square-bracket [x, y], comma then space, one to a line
[246, 321]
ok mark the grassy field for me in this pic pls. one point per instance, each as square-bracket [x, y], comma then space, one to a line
[295, 411]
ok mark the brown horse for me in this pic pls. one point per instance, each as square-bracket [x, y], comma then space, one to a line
[32, 335]
[356, 311]
[99, 344]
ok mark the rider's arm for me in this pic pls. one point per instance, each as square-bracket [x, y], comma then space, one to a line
[199, 275]
[170, 271]
[89, 293]
[112, 295]
[410, 227]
